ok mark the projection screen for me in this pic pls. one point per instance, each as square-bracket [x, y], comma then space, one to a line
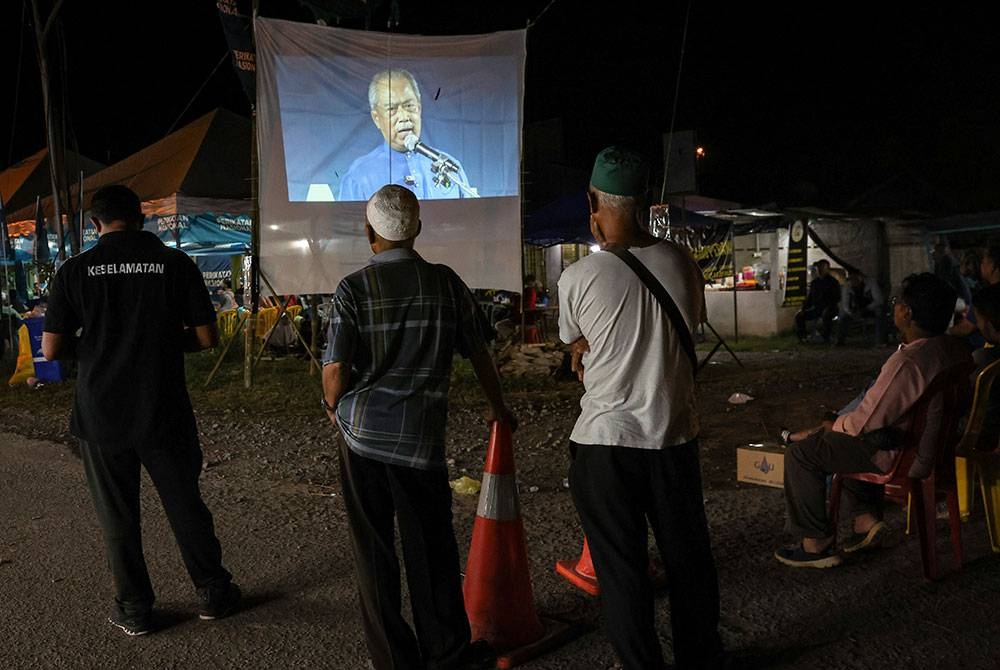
[446, 122]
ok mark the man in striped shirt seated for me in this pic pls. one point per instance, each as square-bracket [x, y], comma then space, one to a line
[395, 327]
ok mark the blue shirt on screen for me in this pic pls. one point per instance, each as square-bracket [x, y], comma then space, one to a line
[382, 165]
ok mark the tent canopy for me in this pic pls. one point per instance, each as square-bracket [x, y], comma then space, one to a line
[22, 182]
[207, 159]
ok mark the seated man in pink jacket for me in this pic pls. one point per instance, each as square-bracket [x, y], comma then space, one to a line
[865, 438]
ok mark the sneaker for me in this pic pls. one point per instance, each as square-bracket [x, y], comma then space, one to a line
[797, 557]
[216, 604]
[132, 624]
[870, 540]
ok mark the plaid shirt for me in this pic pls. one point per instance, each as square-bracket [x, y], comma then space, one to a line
[397, 324]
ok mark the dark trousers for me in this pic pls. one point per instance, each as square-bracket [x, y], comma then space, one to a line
[375, 494]
[808, 314]
[807, 465]
[617, 490]
[113, 477]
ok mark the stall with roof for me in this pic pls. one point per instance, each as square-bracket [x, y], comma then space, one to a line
[195, 190]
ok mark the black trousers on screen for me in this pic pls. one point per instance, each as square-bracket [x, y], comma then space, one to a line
[617, 491]
[376, 494]
[113, 477]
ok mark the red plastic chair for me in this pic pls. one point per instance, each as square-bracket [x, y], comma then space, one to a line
[935, 420]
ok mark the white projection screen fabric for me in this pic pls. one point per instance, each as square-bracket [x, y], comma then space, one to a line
[321, 150]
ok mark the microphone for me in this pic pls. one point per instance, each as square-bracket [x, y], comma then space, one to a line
[413, 143]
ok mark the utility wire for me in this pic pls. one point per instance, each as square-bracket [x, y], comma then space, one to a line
[198, 92]
[532, 22]
[17, 84]
[673, 113]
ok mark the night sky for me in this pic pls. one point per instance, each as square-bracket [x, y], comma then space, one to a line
[810, 106]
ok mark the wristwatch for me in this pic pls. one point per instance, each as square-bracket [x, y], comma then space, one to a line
[327, 406]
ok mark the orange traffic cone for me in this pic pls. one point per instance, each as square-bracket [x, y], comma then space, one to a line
[498, 595]
[581, 573]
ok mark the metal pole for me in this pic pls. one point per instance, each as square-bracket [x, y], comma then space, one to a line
[732, 249]
[251, 324]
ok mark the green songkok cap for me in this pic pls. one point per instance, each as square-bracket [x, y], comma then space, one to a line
[620, 171]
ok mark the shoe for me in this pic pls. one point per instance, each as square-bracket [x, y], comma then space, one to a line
[216, 604]
[870, 540]
[132, 624]
[482, 656]
[797, 557]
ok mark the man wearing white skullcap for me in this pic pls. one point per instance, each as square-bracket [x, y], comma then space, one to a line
[395, 328]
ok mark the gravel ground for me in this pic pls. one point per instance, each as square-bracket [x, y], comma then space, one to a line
[272, 485]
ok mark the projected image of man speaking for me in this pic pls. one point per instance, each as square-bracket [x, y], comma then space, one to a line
[403, 157]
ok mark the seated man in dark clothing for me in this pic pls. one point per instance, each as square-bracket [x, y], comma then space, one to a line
[987, 306]
[821, 302]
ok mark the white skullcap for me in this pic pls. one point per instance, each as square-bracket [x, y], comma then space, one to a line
[394, 213]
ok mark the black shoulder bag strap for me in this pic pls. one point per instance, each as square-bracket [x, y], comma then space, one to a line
[666, 302]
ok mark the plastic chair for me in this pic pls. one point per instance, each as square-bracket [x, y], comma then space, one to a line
[972, 460]
[266, 318]
[226, 322]
[934, 424]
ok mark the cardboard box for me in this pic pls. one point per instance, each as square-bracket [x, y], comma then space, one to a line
[761, 463]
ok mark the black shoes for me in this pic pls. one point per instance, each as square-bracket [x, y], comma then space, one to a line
[133, 624]
[219, 603]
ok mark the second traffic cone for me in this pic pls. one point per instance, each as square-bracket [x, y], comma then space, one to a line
[580, 573]
[497, 588]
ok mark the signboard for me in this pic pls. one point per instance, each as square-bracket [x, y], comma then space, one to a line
[797, 281]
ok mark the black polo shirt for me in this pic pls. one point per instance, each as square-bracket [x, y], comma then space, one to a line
[132, 296]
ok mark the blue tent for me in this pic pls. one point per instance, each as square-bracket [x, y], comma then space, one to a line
[19, 256]
[206, 233]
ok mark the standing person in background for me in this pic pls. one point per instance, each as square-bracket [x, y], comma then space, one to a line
[227, 299]
[395, 328]
[969, 268]
[821, 302]
[139, 306]
[989, 271]
[947, 269]
[397, 111]
[634, 447]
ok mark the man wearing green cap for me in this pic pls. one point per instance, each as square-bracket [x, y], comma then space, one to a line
[634, 447]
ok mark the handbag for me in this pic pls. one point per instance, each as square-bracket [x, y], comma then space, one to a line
[666, 302]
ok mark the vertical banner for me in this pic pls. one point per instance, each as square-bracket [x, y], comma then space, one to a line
[797, 282]
[236, 24]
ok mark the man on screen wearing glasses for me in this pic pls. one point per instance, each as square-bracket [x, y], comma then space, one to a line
[403, 158]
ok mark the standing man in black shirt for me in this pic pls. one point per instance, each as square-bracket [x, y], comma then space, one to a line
[138, 306]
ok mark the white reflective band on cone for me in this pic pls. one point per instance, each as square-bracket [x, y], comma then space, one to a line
[498, 500]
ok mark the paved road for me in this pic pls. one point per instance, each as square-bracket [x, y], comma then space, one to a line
[289, 551]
